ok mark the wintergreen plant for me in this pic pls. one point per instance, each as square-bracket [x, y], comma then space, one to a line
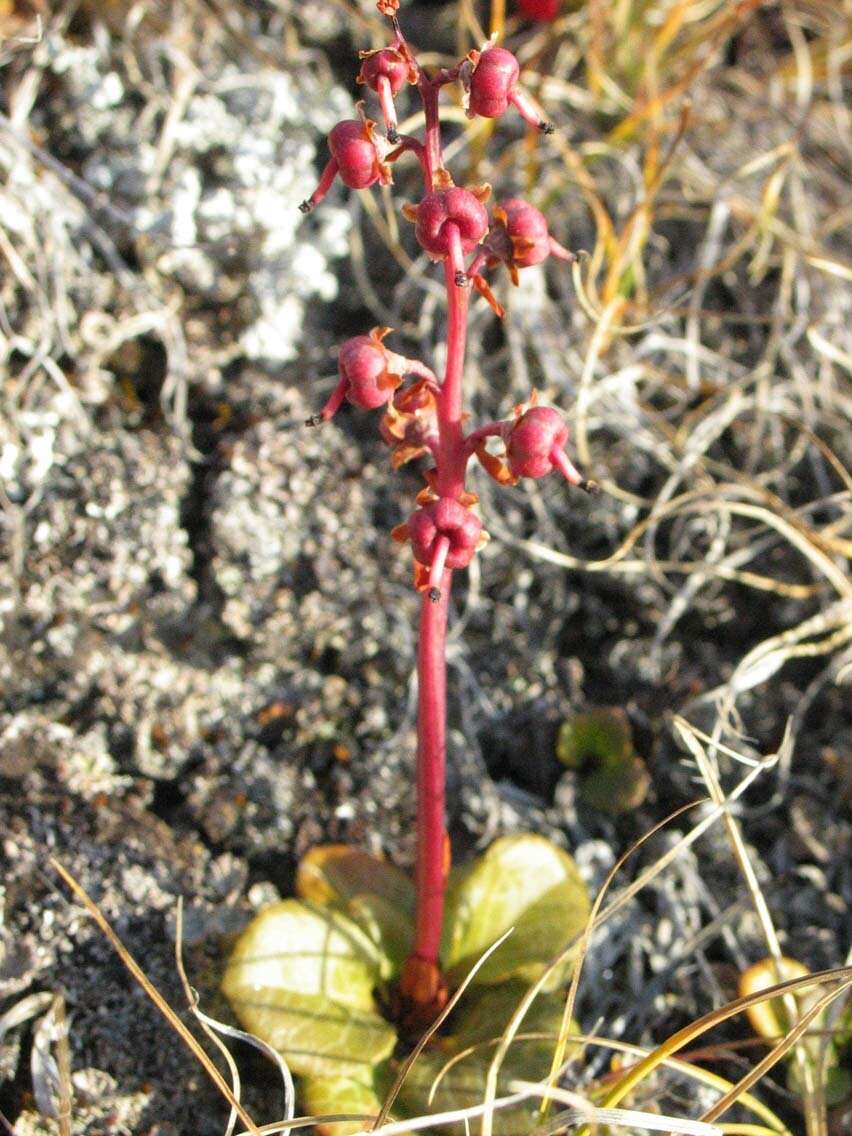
[332, 978]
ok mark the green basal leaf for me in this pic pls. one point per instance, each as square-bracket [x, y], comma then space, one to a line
[332, 1096]
[612, 777]
[485, 1012]
[373, 893]
[302, 978]
[480, 1022]
[525, 882]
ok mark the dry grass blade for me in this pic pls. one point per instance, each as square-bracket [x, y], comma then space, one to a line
[63, 1063]
[192, 1000]
[620, 900]
[276, 1127]
[213, 1028]
[772, 1123]
[713, 814]
[585, 943]
[396, 1127]
[581, 1111]
[779, 1051]
[50, 1065]
[814, 1108]
[441, 1119]
[25, 1010]
[156, 997]
[695, 1029]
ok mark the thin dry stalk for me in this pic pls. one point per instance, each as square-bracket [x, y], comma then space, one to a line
[156, 997]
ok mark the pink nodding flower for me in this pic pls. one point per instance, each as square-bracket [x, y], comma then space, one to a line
[444, 533]
[519, 238]
[525, 229]
[450, 223]
[355, 158]
[534, 442]
[490, 78]
[369, 374]
[386, 72]
[353, 147]
[535, 445]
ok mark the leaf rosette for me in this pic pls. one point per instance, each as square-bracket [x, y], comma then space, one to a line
[313, 975]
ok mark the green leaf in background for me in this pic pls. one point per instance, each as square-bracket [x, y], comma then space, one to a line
[373, 893]
[302, 979]
[599, 745]
[525, 882]
[479, 1023]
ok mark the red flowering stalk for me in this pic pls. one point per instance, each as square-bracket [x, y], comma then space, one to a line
[425, 418]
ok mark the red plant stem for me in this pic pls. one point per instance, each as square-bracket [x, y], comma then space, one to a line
[453, 459]
[433, 157]
[451, 462]
[405, 144]
[431, 770]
